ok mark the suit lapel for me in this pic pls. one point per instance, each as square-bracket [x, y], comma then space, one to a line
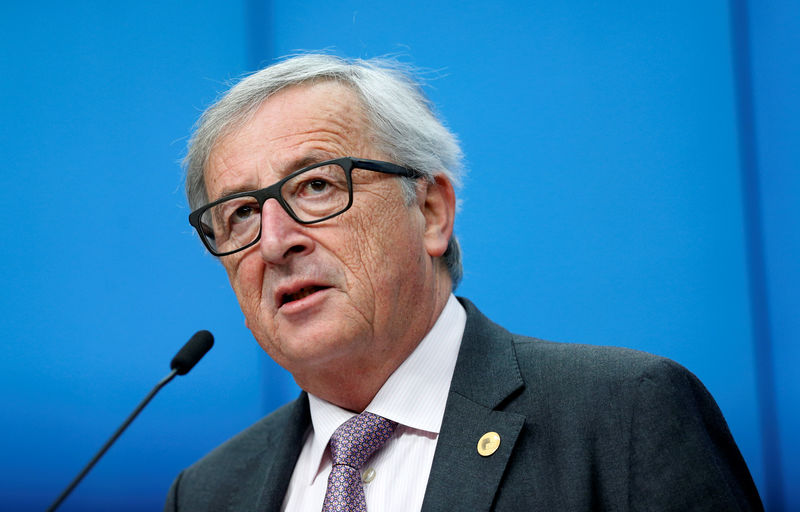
[284, 457]
[486, 374]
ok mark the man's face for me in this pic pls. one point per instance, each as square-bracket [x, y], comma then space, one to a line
[350, 294]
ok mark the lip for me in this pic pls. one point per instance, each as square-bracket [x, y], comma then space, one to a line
[303, 303]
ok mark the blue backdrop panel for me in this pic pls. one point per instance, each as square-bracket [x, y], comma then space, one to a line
[102, 279]
[604, 205]
[775, 72]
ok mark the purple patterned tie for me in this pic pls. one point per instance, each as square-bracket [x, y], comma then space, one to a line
[351, 445]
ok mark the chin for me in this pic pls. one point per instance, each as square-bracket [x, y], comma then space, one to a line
[309, 346]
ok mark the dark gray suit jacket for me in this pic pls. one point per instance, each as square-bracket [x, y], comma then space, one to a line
[581, 427]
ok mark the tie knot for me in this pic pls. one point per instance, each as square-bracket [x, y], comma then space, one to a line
[359, 437]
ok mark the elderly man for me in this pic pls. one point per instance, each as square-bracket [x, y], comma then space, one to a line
[326, 188]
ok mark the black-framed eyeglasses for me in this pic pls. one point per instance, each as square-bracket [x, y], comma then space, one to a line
[312, 194]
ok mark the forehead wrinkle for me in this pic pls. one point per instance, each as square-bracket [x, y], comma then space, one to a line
[222, 168]
[314, 149]
[314, 142]
[320, 138]
[336, 131]
[340, 128]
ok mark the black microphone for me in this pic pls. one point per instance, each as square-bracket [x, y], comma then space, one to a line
[192, 352]
[184, 360]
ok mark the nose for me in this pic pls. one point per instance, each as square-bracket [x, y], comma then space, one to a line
[281, 236]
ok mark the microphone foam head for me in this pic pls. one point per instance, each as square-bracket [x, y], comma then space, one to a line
[192, 352]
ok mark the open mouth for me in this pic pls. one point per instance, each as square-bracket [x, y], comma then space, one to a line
[300, 294]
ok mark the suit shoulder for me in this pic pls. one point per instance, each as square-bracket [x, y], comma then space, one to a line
[594, 363]
[247, 445]
[556, 368]
[577, 386]
[229, 476]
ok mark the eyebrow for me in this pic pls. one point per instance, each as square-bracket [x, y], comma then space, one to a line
[311, 158]
[229, 191]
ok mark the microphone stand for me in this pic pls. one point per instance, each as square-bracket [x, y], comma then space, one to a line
[111, 440]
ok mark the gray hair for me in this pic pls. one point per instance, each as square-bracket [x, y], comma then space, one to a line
[403, 121]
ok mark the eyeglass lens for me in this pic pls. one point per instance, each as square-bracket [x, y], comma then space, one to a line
[314, 194]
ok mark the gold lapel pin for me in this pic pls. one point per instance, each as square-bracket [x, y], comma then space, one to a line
[488, 443]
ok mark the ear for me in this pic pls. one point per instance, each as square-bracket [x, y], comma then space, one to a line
[438, 205]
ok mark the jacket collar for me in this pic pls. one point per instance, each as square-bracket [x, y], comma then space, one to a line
[486, 370]
[486, 374]
[280, 462]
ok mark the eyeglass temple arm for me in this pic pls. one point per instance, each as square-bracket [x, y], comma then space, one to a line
[386, 167]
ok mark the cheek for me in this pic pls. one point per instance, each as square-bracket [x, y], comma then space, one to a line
[245, 276]
[367, 241]
[384, 246]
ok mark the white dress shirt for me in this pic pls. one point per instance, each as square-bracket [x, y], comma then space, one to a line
[414, 396]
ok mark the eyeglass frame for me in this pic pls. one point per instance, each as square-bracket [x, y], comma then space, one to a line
[274, 192]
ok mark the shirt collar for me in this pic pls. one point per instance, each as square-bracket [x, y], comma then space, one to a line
[414, 395]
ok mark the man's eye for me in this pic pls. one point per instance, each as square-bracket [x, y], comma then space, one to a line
[243, 213]
[316, 186]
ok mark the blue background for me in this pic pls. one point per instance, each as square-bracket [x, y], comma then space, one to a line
[633, 180]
